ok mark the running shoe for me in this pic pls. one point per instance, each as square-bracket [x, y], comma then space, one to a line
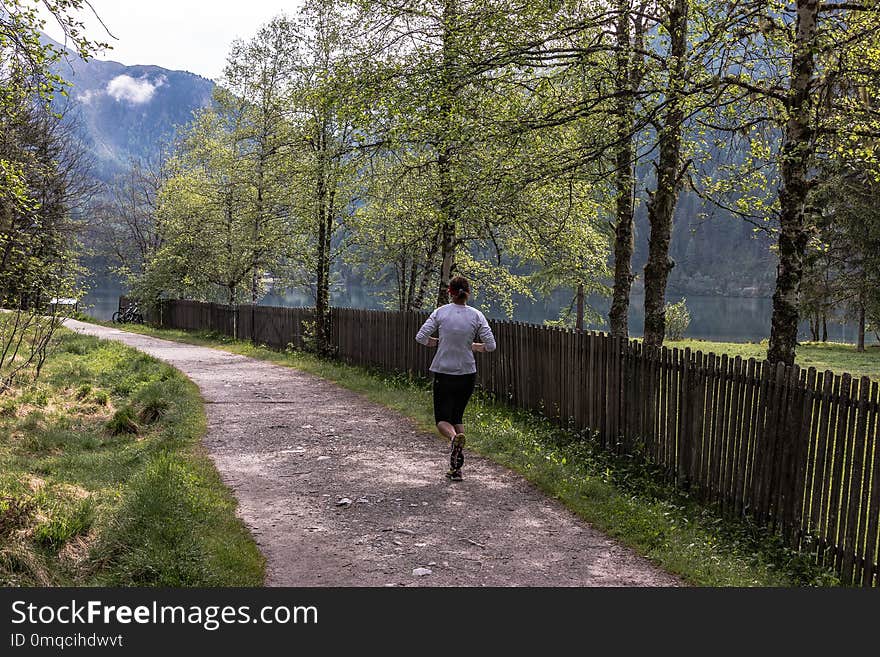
[456, 452]
[454, 475]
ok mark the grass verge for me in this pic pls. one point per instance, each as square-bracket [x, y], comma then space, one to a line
[103, 480]
[623, 497]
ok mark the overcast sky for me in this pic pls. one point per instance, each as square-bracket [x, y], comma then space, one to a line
[188, 35]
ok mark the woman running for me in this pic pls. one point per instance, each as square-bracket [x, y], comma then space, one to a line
[454, 367]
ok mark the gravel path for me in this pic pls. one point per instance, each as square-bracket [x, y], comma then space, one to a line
[339, 491]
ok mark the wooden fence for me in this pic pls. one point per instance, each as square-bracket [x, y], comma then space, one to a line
[796, 450]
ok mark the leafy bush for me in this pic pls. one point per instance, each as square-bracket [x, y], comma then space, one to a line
[78, 345]
[37, 397]
[309, 336]
[678, 318]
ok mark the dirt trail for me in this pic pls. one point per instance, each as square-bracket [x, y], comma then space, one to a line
[293, 446]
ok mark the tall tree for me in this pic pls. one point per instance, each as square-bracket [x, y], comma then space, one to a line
[460, 97]
[204, 205]
[795, 69]
[629, 33]
[42, 174]
[848, 230]
[127, 225]
[669, 170]
[323, 115]
[795, 158]
[258, 75]
[423, 89]
[394, 239]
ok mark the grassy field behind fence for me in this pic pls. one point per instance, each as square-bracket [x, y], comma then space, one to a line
[103, 481]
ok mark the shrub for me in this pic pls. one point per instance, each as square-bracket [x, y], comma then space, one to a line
[153, 402]
[678, 318]
[309, 336]
[77, 345]
[122, 422]
[15, 513]
[66, 519]
[8, 407]
[38, 397]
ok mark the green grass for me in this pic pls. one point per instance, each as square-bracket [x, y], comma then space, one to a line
[623, 497]
[103, 480]
[833, 356]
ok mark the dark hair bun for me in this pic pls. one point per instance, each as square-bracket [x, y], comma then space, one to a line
[460, 287]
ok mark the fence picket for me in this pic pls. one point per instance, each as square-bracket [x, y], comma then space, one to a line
[857, 460]
[872, 500]
[839, 468]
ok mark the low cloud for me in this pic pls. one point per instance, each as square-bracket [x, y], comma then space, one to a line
[86, 97]
[133, 90]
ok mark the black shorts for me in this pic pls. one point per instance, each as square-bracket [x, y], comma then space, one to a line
[451, 395]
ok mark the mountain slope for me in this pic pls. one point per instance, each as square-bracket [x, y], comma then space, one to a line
[123, 112]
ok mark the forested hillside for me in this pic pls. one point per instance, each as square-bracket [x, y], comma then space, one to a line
[128, 113]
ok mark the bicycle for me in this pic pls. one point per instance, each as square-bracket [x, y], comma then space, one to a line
[129, 315]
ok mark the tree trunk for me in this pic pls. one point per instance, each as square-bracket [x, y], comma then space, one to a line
[329, 217]
[814, 327]
[579, 323]
[255, 259]
[447, 261]
[322, 274]
[448, 209]
[624, 177]
[824, 328]
[230, 294]
[230, 285]
[861, 343]
[427, 269]
[797, 151]
[661, 204]
[410, 284]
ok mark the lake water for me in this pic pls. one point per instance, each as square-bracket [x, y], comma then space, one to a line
[725, 319]
[101, 302]
[728, 319]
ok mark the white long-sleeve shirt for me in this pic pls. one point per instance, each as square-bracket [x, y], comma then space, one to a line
[457, 325]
